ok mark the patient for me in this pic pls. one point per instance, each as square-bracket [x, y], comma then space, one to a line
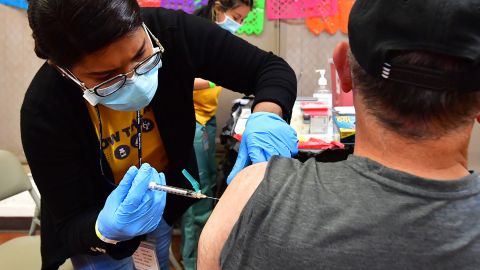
[405, 199]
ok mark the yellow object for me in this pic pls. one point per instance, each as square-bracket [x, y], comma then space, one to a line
[206, 103]
[120, 137]
[302, 138]
[103, 238]
[345, 124]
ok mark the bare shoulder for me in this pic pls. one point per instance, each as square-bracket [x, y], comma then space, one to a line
[226, 214]
[248, 178]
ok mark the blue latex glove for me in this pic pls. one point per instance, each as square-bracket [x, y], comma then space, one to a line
[132, 208]
[266, 134]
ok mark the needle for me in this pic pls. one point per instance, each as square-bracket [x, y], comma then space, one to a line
[179, 191]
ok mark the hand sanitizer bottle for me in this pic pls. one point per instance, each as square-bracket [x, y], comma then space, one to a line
[324, 97]
[323, 94]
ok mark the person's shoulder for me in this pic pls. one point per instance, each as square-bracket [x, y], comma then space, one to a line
[45, 76]
[42, 86]
[289, 171]
[160, 19]
[159, 13]
[226, 214]
[252, 174]
[245, 183]
[285, 162]
[287, 168]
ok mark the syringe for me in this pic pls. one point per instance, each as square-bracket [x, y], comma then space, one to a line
[179, 191]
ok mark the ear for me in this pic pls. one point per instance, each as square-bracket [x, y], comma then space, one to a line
[478, 118]
[340, 59]
[218, 12]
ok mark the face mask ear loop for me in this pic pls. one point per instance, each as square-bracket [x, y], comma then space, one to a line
[100, 153]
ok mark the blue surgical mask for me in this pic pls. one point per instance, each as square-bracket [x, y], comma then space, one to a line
[229, 24]
[137, 92]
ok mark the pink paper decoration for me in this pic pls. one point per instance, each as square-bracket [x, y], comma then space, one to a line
[294, 9]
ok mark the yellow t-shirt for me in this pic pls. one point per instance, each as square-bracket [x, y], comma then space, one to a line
[206, 103]
[119, 139]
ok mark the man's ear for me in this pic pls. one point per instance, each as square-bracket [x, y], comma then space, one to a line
[340, 59]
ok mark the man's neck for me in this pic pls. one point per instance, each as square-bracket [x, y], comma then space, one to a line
[441, 159]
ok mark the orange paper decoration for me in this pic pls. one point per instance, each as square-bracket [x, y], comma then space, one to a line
[331, 24]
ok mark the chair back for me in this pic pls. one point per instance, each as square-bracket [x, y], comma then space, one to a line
[13, 179]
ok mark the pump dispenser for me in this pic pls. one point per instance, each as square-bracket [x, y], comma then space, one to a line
[322, 81]
[323, 94]
[322, 122]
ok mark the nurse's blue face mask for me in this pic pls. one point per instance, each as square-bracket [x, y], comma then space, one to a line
[229, 24]
[122, 93]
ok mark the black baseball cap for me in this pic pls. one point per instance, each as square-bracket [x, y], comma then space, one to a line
[377, 29]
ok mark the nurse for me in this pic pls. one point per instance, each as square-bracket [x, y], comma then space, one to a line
[229, 15]
[116, 91]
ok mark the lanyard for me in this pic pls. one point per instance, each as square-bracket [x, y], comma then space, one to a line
[139, 138]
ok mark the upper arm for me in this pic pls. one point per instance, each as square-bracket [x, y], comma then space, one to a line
[221, 57]
[226, 214]
[235, 64]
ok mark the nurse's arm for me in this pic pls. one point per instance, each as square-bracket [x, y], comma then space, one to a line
[268, 107]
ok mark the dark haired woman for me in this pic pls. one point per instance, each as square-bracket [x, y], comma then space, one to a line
[229, 15]
[116, 90]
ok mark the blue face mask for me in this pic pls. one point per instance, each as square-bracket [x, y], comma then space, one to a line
[137, 92]
[229, 24]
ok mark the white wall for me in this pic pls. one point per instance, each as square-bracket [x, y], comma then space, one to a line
[17, 68]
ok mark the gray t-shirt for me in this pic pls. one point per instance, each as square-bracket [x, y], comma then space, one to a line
[355, 214]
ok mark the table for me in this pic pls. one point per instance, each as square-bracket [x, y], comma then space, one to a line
[231, 145]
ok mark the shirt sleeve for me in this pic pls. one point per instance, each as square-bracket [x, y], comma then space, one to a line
[221, 57]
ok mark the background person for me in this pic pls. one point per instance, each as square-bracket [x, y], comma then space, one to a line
[228, 14]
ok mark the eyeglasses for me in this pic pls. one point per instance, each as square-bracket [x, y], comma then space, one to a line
[114, 84]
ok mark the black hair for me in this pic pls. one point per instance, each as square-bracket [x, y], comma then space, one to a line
[208, 11]
[415, 112]
[66, 30]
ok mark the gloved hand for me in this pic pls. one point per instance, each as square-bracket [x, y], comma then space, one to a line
[266, 134]
[132, 208]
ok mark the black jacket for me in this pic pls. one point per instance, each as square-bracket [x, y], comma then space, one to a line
[61, 145]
